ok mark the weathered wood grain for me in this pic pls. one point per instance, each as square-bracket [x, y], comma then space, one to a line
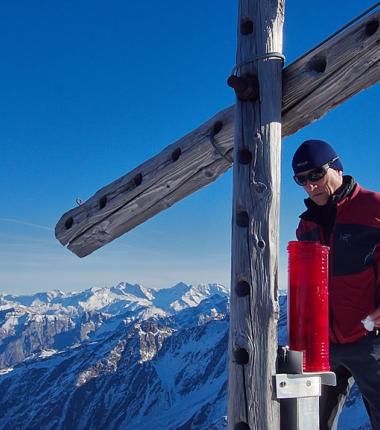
[330, 74]
[312, 85]
[163, 182]
[255, 225]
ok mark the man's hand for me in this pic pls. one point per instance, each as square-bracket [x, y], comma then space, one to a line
[376, 317]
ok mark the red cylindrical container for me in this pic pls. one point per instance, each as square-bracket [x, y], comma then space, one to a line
[308, 313]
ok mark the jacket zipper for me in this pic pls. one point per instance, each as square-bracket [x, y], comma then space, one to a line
[328, 242]
[376, 280]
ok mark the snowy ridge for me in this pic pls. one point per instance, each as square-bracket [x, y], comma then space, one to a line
[124, 357]
[116, 298]
[66, 319]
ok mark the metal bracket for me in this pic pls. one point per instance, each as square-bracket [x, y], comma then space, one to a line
[294, 386]
[299, 391]
[292, 363]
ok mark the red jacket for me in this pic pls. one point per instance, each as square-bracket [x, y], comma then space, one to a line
[354, 242]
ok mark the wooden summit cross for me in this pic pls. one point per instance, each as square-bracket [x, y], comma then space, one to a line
[338, 68]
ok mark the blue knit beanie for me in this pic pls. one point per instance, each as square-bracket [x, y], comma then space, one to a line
[312, 154]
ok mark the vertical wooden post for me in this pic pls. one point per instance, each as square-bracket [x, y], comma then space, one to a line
[255, 220]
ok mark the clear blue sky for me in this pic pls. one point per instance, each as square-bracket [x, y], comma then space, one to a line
[91, 89]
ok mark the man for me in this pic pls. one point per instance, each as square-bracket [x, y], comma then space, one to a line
[346, 217]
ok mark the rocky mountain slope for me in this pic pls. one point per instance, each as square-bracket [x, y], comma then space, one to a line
[124, 357]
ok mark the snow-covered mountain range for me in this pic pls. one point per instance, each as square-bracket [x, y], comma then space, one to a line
[124, 357]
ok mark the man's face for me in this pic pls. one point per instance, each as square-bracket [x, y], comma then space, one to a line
[321, 190]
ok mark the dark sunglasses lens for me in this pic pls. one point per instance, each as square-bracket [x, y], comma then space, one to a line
[313, 176]
[317, 174]
[301, 179]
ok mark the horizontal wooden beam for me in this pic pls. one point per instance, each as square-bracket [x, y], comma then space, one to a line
[313, 85]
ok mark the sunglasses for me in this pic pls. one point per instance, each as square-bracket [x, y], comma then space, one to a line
[314, 175]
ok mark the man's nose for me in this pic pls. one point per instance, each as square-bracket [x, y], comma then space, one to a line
[310, 186]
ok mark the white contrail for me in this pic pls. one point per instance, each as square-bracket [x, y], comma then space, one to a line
[18, 221]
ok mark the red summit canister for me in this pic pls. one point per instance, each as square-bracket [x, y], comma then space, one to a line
[308, 313]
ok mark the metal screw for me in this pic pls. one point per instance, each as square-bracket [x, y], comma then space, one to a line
[308, 383]
[282, 384]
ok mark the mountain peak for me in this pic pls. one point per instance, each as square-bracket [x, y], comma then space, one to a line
[172, 362]
[136, 290]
